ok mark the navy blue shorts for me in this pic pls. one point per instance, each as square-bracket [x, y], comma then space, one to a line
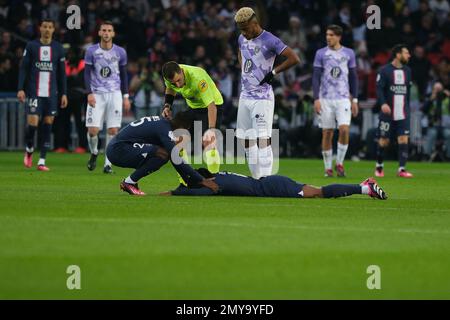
[388, 128]
[281, 186]
[129, 154]
[42, 106]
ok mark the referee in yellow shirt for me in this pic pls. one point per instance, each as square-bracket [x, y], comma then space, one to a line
[203, 98]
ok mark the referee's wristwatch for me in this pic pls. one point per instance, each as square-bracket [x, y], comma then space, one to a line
[355, 100]
[126, 96]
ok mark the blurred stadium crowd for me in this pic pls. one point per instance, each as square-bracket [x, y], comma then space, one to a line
[203, 33]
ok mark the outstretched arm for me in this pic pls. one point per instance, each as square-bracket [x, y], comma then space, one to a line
[184, 191]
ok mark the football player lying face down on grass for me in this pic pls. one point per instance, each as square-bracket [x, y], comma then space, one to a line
[146, 145]
[233, 184]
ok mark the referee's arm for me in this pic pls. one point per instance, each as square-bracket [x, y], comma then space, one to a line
[168, 101]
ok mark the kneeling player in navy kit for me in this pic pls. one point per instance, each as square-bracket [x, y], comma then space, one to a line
[233, 184]
[148, 144]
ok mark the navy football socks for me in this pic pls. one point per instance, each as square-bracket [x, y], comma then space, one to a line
[341, 190]
[29, 136]
[149, 166]
[46, 133]
[402, 154]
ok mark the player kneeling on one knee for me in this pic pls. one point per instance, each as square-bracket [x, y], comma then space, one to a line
[149, 143]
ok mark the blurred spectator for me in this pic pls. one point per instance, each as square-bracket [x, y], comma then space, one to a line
[409, 38]
[76, 107]
[148, 88]
[295, 37]
[364, 67]
[437, 109]
[420, 68]
[142, 7]
[8, 80]
[441, 8]
[278, 16]
[222, 75]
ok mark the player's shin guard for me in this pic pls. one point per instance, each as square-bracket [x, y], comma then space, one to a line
[265, 161]
[149, 166]
[46, 133]
[108, 139]
[93, 143]
[29, 138]
[251, 154]
[212, 158]
[402, 154]
[341, 190]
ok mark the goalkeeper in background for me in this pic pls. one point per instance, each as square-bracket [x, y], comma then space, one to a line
[203, 99]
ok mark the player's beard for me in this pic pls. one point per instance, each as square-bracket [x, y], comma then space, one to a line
[47, 37]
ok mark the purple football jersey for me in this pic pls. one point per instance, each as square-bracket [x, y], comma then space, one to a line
[336, 64]
[258, 56]
[105, 74]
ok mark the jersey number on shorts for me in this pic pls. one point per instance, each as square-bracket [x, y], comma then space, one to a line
[138, 145]
[384, 126]
[32, 103]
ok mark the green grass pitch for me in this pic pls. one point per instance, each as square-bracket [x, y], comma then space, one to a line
[220, 247]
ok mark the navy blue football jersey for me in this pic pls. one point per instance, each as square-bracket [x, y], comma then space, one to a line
[42, 71]
[393, 88]
[233, 184]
